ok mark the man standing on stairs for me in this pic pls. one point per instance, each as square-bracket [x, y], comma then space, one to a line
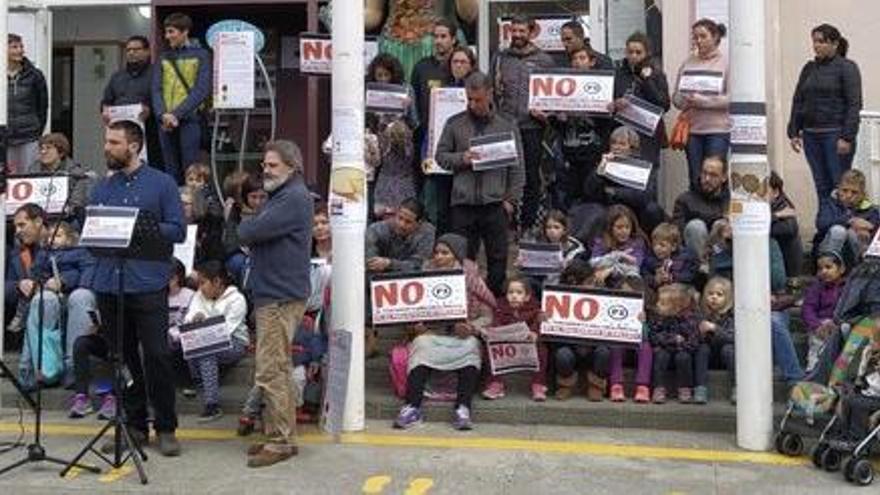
[181, 87]
[280, 240]
[27, 103]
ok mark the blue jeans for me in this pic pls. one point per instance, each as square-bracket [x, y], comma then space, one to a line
[784, 354]
[826, 165]
[181, 147]
[699, 147]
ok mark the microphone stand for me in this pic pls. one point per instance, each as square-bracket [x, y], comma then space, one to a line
[36, 452]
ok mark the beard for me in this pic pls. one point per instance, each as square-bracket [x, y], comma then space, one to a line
[519, 42]
[118, 163]
[272, 184]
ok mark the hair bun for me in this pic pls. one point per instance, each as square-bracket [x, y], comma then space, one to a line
[722, 30]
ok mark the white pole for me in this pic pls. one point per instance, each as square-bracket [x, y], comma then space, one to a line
[4, 88]
[754, 368]
[348, 199]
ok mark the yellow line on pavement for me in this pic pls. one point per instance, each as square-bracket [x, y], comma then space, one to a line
[473, 443]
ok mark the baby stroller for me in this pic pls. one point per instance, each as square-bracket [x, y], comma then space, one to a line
[858, 415]
[813, 401]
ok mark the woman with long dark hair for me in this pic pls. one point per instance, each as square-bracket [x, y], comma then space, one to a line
[825, 110]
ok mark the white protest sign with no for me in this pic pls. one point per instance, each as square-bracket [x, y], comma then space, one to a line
[510, 349]
[48, 192]
[571, 91]
[592, 314]
[418, 297]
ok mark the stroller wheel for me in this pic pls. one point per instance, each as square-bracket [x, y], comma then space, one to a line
[831, 460]
[849, 463]
[863, 472]
[790, 444]
[817, 453]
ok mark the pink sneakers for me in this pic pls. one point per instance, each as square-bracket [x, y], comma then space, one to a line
[539, 392]
[494, 390]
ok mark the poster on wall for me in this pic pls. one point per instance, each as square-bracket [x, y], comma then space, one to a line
[548, 28]
[316, 53]
[234, 70]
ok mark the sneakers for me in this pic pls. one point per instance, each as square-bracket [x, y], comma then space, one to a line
[189, 393]
[16, 324]
[211, 412]
[108, 407]
[617, 394]
[494, 390]
[81, 407]
[462, 419]
[246, 425]
[643, 394]
[701, 395]
[409, 417]
[659, 396]
[685, 395]
[168, 444]
[539, 392]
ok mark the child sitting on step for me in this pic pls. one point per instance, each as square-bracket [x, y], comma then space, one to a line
[717, 334]
[520, 306]
[674, 337]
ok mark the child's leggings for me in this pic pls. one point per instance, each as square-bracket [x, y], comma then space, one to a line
[644, 361]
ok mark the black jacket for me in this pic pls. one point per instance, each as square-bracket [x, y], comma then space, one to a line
[129, 86]
[654, 89]
[697, 204]
[427, 74]
[28, 104]
[828, 96]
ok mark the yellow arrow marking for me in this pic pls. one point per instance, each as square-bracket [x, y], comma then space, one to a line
[115, 474]
[376, 484]
[73, 473]
[419, 486]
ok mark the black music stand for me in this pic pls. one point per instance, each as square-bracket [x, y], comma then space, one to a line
[145, 243]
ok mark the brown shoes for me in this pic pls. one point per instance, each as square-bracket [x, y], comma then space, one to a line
[261, 456]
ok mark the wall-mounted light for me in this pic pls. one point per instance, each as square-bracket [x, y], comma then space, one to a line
[145, 11]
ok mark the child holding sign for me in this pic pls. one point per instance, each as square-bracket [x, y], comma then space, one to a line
[674, 336]
[622, 247]
[216, 297]
[717, 333]
[520, 306]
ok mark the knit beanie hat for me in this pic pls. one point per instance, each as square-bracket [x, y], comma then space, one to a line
[456, 243]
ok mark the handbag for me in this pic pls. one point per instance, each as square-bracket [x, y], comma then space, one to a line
[680, 132]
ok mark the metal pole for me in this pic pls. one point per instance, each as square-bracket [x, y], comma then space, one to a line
[348, 196]
[4, 18]
[754, 364]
